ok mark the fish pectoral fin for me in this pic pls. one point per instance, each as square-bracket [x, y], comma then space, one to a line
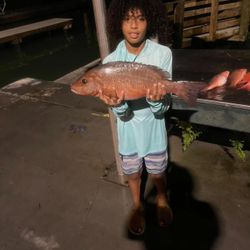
[110, 92]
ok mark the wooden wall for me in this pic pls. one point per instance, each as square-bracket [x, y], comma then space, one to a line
[209, 20]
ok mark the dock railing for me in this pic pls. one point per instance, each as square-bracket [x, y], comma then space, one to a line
[15, 35]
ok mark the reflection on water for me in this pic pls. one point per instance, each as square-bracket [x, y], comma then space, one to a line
[49, 55]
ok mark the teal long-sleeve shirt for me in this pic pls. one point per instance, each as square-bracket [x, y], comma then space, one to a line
[140, 123]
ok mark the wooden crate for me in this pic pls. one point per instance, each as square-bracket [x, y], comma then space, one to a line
[209, 20]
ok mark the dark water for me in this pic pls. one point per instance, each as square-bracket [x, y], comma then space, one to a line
[50, 55]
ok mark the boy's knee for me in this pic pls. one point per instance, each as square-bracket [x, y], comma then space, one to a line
[134, 176]
[157, 176]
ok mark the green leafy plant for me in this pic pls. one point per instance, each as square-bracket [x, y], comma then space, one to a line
[188, 134]
[238, 148]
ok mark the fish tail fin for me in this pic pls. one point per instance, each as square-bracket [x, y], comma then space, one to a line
[188, 90]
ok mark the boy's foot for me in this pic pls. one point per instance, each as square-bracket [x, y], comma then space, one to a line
[136, 223]
[164, 211]
[164, 215]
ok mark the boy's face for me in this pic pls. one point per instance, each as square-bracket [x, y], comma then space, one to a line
[134, 27]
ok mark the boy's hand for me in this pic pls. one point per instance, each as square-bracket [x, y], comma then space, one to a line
[114, 100]
[158, 93]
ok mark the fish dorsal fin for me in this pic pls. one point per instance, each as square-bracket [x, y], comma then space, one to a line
[164, 74]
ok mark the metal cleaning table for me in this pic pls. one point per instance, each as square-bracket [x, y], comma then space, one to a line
[233, 111]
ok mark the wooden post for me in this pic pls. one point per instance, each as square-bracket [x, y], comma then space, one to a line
[100, 21]
[178, 23]
[213, 20]
[244, 19]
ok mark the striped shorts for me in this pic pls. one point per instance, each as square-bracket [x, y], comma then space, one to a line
[155, 163]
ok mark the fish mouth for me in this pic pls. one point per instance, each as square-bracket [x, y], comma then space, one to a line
[74, 91]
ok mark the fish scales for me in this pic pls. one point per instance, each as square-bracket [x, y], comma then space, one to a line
[134, 79]
[123, 74]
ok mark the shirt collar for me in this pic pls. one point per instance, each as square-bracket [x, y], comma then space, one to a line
[146, 49]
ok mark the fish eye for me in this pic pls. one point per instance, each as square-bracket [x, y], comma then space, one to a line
[84, 81]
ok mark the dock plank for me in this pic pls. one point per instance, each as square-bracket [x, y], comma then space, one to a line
[17, 33]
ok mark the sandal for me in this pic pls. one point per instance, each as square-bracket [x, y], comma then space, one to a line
[164, 215]
[136, 223]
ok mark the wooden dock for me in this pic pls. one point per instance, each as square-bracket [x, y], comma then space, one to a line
[15, 35]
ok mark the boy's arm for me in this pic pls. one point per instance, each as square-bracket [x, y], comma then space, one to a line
[122, 111]
[158, 99]
[118, 105]
[161, 106]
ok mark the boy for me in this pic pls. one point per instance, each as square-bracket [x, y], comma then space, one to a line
[142, 137]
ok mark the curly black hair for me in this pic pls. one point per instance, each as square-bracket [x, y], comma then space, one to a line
[154, 11]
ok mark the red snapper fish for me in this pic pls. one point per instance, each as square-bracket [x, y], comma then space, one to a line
[134, 79]
[236, 77]
[246, 77]
[217, 81]
[245, 86]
